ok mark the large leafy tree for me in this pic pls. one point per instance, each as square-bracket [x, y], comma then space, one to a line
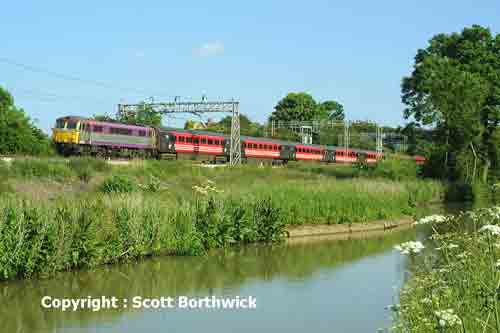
[302, 107]
[295, 107]
[331, 110]
[18, 134]
[455, 87]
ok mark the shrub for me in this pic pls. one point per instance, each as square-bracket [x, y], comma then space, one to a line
[29, 168]
[118, 184]
[394, 169]
[86, 167]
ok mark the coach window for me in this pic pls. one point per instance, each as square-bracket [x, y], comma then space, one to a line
[210, 141]
[142, 133]
[195, 141]
[203, 141]
[190, 140]
[182, 139]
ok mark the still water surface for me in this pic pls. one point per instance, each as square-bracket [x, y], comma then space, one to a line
[313, 285]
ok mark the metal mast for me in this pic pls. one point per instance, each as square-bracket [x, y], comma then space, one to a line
[235, 149]
[379, 141]
[346, 135]
[197, 108]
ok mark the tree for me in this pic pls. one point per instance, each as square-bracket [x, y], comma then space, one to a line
[103, 117]
[331, 110]
[18, 134]
[145, 115]
[455, 87]
[295, 107]
[302, 107]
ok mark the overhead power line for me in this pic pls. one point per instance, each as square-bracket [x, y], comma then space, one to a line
[57, 97]
[71, 77]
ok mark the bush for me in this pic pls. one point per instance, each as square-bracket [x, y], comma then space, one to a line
[394, 169]
[86, 167]
[118, 184]
[54, 169]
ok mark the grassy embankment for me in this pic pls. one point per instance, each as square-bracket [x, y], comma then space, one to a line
[455, 281]
[57, 216]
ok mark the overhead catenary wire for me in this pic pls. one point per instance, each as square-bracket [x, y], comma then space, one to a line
[70, 77]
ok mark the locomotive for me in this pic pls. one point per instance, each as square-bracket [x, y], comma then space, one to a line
[80, 136]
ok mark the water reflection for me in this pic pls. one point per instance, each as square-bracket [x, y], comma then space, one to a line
[308, 284]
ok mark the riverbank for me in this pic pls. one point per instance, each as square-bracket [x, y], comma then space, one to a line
[312, 230]
[51, 222]
[455, 275]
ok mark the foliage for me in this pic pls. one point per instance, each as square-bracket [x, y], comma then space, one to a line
[118, 184]
[18, 133]
[248, 204]
[331, 110]
[40, 168]
[454, 282]
[455, 86]
[145, 115]
[302, 106]
[86, 167]
[393, 168]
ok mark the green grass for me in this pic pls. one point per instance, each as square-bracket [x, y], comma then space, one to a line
[56, 215]
[458, 272]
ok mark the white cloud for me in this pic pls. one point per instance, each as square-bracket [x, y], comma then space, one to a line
[210, 49]
[139, 54]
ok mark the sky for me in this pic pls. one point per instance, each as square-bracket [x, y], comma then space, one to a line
[82, 58]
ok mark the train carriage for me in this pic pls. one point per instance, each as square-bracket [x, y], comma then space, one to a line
[309, 152]
[193, 145]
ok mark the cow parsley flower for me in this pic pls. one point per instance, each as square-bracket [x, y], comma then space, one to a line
[207, 189]
[410, 247]
[432, 219]
[491, 228]
[447, 318]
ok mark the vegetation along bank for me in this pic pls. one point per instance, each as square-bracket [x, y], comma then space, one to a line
[57, 216]
[455, 275]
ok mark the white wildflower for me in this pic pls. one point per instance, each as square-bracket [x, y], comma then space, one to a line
[207, 188]
[447, 318]
[493, 229]
[432, 219]
[410, 247]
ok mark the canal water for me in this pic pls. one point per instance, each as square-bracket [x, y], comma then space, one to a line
[315, 285]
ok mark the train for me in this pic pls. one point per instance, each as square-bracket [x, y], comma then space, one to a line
[73, 135]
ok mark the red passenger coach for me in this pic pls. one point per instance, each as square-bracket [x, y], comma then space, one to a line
[198, 146]
[345, 156]
[184, 142]
[261, 149]
[210, 144]
[308, 153]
